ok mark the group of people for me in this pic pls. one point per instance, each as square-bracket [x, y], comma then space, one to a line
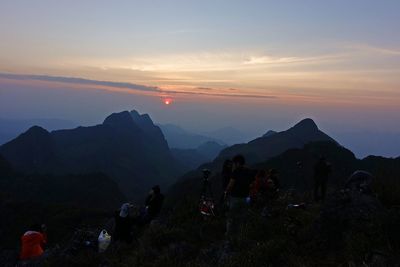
[244, 186]
[126, 217]
[34, 240]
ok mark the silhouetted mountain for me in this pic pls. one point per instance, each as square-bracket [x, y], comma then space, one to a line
[147, 125]
[183, 139]
[122, 147]
[30, 151]
[296, 169]
[266, 147]
[259, 150]
[296, 166]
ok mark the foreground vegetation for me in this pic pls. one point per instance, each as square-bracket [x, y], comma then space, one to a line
[287, 237]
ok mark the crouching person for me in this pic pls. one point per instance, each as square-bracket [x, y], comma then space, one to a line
[33, 243]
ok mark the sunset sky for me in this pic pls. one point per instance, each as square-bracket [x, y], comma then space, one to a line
[249, 64]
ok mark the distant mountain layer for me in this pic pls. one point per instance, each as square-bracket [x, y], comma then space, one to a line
[229, 135]
[192, 158]
[182, 139]
[10, 129]
[127, 146]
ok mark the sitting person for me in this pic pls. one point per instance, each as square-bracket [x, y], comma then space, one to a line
[33, 243]
[123, 224]
[360, 180]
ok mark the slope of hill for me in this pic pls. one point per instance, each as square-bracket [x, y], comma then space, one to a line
[296, 166]
[256, 151]
[126, 146]
[61, 201]
[271, 145]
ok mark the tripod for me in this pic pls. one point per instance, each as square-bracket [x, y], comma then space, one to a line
[206, 202]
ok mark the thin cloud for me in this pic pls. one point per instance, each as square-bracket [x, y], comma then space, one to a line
[375, 49]
[222, 94]
[270, 60]
[80, 81]
[205, 91]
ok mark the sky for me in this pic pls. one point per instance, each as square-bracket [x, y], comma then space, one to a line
[254, 65]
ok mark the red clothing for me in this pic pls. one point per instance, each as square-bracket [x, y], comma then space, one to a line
[32, 245]
[260, 185]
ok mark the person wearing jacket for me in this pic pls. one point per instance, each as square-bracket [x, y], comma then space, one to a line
[33, 243]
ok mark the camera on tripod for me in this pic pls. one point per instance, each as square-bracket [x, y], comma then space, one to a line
[206, 202]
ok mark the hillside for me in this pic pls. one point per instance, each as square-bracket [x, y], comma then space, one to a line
[271, 145]
[60, 201]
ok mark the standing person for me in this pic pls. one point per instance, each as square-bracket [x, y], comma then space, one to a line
[123, 224]
[153, 204]
[33, 244]
[238, 191]
[322, 169]
[274, 176]
[226, 173]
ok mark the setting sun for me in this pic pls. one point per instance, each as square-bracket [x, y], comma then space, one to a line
[167, 101]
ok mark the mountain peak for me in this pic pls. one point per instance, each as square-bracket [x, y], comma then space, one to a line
[307, 125]
[37, 130]
[119, 119]
[269, 133]
[141, 118]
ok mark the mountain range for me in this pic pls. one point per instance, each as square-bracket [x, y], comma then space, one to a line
[78, 176]
[293, 154]
[127, 146]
